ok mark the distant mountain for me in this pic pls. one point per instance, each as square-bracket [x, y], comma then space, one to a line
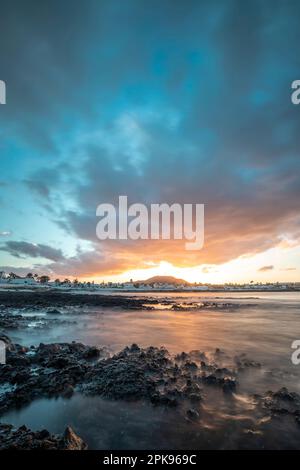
[163, 280]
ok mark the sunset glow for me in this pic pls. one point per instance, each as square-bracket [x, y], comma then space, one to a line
[159, 123]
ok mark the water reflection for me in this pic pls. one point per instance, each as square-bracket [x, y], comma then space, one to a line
[264, 330]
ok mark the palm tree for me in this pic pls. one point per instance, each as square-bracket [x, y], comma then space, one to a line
[44, 279]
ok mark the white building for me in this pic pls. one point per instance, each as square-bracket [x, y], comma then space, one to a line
[22, 281]
[128, 285]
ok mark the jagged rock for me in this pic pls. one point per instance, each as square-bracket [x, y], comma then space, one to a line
[229, 385]
[70, 441]
[129, 375]
[284, 394]
[25, 439]
[280, 402]
[192, 414]
[243, 362]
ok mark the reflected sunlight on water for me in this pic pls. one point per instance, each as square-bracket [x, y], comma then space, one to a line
[263, 327]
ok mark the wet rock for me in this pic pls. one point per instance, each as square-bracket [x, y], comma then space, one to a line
[12, 321]
[229, 385]
[222, 371]
[68, 391]
[149, 374]
[19, 376]
[52, 370]
[243, 362]
[48, 371]
[16, 359]
[284, 394]
[53, 311]
[163, 400]
[190, 365]
[92, 353]
[61, 355]
[181, 357]
[192, 391]
[195, 397]
[192, 414]
[25, 439]
[280, 403]
[129, 375]
[210, 379]
[197, 355]
[70, 441]
[56, 300]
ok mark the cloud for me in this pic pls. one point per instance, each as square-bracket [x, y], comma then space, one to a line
[266, 268]
[209, 269]
[20, 271]
[25, 249]
[244, 214]
[197, 110]
[5, 233]
[39, 186]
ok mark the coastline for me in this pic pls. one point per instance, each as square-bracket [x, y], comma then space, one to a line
[116, 291]
[204, 391]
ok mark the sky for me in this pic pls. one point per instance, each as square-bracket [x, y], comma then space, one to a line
[164, 101]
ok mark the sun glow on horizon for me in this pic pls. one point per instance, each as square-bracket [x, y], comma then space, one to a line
[276, 264]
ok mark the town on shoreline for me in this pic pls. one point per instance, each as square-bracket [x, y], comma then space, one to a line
[154, 284]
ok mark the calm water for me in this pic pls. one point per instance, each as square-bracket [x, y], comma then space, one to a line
[262, 325]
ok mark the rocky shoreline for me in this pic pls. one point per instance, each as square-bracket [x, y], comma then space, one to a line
[25, 439]
[182, 382]
[56, 299]
[134, 374]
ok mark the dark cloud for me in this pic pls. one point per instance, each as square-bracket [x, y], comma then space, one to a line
[25, 249]
[175, 101]
[242, 215]
[17, 270]
[266, 268]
